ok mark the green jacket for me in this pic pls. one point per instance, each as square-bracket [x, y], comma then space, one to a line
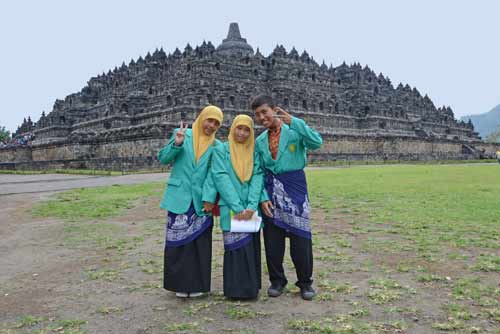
[234, 195]
[295, 140]
[188, 180]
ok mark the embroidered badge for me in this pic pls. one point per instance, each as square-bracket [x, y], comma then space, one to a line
[292, 148]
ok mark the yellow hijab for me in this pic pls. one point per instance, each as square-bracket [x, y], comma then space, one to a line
[201, 141]
[242, 153]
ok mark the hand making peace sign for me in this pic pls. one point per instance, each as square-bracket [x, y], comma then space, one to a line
[179, 135]
[283, 115]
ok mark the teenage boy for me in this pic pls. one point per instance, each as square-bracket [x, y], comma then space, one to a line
[282, 148]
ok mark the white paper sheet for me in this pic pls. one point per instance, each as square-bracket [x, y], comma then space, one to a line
[252, 225]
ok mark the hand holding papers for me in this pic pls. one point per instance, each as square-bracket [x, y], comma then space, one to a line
[251, 225]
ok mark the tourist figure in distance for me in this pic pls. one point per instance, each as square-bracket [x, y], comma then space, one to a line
[498, 156]
[239, 181]
[188, 245]
[282, 148]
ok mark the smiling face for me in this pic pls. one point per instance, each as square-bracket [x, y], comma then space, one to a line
[264, 115]
[241, 133]
[210, 125]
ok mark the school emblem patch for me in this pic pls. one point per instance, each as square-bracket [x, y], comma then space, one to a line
[292, 148]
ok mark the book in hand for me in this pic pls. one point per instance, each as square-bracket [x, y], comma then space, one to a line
[251, 225]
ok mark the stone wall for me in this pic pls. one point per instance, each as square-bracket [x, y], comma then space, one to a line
[18, 154]
[141, 153]
[489, 149]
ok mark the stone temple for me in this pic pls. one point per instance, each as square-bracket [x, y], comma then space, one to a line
[120, 119]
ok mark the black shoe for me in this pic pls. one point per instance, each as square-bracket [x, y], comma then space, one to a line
[275, 290]
[307, 292]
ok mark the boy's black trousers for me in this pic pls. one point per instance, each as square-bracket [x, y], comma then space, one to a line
[300, 252]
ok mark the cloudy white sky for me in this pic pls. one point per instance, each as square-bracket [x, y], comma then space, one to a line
[449, 50]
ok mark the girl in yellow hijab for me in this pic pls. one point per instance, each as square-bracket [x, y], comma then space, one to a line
[239, 181]
[241, 146]
[204, 128]
[188, 199]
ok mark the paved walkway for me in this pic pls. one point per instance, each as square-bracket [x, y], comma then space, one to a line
[11, 184]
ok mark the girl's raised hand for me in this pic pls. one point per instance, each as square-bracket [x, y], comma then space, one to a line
[179, 135]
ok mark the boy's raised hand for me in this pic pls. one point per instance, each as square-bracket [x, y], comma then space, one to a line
[285, 117]
[179, 135]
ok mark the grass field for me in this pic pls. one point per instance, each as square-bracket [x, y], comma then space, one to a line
[431, 206]
[397, 249]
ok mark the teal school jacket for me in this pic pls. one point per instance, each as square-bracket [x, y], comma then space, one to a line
[234, 195]
[188, 181]
[295, 140]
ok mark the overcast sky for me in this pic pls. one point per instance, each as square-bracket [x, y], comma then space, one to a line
[449, 50]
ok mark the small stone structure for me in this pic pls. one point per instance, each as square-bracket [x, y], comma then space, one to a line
[120, 119]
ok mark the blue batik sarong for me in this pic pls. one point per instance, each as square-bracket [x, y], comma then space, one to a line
[184, 228]
[235, 240]
[288, 192]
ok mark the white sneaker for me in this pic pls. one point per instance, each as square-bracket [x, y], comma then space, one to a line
[195, 294]
[182, 294]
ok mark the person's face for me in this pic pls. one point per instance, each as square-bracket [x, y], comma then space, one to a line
[210, 125]
[264, 115]
[241, 133]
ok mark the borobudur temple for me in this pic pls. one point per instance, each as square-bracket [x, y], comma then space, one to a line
[120, 119]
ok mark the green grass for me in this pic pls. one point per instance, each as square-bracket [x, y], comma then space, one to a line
[434, 227]
[335, 287]
[494, 314]
[28, 321]
[395, 162]
[457, 311]
[42, 325]
[103, 274]
[187, 327]
[95, 203]
[151, 266]
[195, 309]
[474, 289]
[431, 206]
[487, 262]
[240, 313]
[85, 210]
[344, 324]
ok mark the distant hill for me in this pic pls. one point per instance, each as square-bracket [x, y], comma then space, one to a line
[487, 123]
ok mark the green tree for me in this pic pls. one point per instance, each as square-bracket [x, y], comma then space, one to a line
[4, 133]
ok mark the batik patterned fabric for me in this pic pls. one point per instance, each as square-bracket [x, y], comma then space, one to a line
[288, 192]
[235, 240]
[184, 228]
